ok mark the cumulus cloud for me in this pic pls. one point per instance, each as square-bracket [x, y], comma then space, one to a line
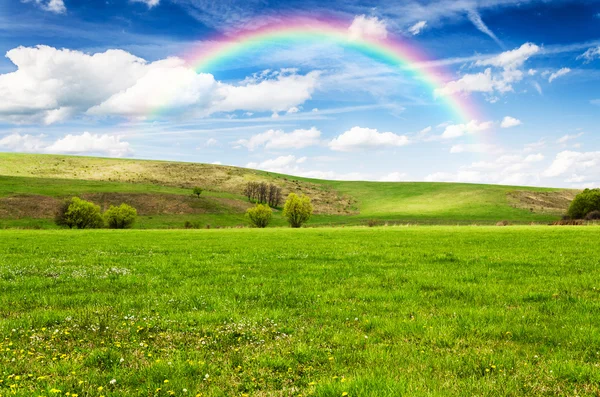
[85, 143]
[23, 143]
[55, 6]
[211, 142]
[590, 55]
[512, 59]
[278, 139]
[472, 127]
[51, 85]
[509, 122]
[358, 138]
[281, 164]
[558, 73]
[574, 162]
[367, 27]
[394, 177]
[417, 27]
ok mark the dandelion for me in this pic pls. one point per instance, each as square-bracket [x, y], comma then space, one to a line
[166, 381]
[100, 388]
[344, 394]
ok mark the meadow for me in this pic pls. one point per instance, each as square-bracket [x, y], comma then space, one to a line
[33, 186]
[385, 311]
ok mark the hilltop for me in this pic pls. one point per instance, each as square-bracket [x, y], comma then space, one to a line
[32, 185]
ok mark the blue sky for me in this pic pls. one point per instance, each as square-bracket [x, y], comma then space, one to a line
[85, 77]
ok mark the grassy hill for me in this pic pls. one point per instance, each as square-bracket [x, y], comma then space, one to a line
[31, 187]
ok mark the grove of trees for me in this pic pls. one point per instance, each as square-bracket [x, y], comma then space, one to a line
[585, 203]
[121, 217]
[263, 193]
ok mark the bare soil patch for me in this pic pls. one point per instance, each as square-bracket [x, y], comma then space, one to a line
[555, 202]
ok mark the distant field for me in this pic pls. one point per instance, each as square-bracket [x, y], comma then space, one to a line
[314, 312]
[31, 187]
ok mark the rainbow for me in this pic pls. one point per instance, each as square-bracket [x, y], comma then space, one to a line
[207, 56]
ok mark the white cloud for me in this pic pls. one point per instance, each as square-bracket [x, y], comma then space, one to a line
[281, 164]
[461, 176]
[85, 143]
[472, 127]
[278, 93]
[574, 162]
[91, 143]
[149, 3]
[509, 122]
[394, 177]
[473, 148]
[293, 110]
[475, 18]
[278, 139]
[590, 55]
[558, 73]
[358, 138]
[22, 143]
[537, 87]
[568, 137]
[52, 85]
[489, 81]
[211, 142]
[512, 59]
[534, 158]
[417, 27]
[367, 27]
[55, 6]
[595, 102]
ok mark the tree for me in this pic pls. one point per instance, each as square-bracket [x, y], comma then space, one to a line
[260, 216]
[197, 191]
[584, 203]
[297, 210]
[121, 217]
[80, 214]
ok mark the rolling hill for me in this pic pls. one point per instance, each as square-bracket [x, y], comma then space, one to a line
[32, 186]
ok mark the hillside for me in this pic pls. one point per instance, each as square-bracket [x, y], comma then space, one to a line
[31, 187]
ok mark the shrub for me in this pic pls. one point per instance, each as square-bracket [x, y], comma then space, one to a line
[373, 222]
[121, 217]
[260, 216]
[61, 218]
[297, 210]
[584, 203]
[197, 191]
[80, 214]
[502, 223]
[593, 216]
[191, 225]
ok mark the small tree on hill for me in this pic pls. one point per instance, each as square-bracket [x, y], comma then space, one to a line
[260, 216]
[197, 191]
[80, 214]
[297, 210]
[584, 203]
[121, 217]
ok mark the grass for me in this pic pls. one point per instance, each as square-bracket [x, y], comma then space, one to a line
[337, 202]
[314, 312]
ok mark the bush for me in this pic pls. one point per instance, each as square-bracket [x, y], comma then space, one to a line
[61, 218]
[373, 222]
[584, 203]
[297, 210]
[260, 216]
[502, 223]
[593, 216]
[197, 191]
[191, 225]
[80, 214]
[121, 217]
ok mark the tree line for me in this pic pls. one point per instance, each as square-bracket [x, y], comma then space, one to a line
[263, 193]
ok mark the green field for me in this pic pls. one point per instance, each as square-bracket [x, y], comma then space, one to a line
[32, 186]
[383, 311]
